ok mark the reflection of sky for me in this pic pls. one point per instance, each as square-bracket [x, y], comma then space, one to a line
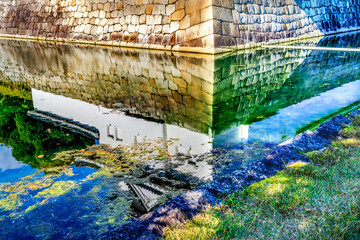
[10, 169]
[287, 121]
[7, 161]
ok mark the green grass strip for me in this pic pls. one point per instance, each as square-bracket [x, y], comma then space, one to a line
[316, 201]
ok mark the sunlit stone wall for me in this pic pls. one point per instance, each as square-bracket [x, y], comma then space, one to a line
[185, 25]
[137, 23]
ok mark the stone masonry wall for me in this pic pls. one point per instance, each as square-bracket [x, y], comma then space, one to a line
[169, 24]
[244, 23]
[182, 25]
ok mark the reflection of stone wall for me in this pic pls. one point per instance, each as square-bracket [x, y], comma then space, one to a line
[175, 89]
[258, 84]
[201, 94]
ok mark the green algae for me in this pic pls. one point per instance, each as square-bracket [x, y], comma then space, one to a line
[24, 186]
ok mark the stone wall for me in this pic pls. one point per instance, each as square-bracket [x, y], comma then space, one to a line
[240, 23]
[207, 26]
[165, 24]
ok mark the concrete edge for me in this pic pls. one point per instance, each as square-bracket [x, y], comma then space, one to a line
[186, 206]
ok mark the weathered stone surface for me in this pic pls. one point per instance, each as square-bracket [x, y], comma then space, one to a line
[227, 185]
[330, 129]
[283, 156]
[172, 213]
[306, 142]
[256, 171]
[354, 113]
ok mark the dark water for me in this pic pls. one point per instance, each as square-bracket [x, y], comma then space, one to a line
[207, 114]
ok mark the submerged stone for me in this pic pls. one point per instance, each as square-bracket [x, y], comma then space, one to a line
[227, 184]
[173, 212]
[354, 113]
[256, 171]
[306, 142]
[330, 129]
[240, 179]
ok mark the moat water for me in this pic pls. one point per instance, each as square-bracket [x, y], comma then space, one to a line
[183, 119]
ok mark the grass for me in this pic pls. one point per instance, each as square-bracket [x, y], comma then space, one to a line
[317, 201]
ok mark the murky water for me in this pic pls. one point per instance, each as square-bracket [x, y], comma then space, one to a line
[180, 119]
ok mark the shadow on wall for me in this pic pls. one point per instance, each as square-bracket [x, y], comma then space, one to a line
[330, 16]
[247, 23]
[26, 20]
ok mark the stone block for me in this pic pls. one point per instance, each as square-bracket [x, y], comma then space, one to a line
[306, 142]
[176, 211]
[180, 82]
[174, 26]
[192, 32]
[354, 113]
[283, 156]
[149, 9]
[222, 14]
[206, 14]
[180, 4]
[185, 22]
[226, 185]
[205, 28]
[178, 15]
[170, 9]
[158, 9]
[331, 129]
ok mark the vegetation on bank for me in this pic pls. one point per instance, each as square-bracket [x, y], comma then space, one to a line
[316, 201]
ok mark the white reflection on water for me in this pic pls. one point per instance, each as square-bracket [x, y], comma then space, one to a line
[7, 161]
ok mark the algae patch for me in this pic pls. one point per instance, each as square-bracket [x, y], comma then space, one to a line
[121, 159]
[57, 189]
[17, 194]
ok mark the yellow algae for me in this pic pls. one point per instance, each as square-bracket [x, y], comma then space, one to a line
[298, 164]
[32, 207]
[57, 189]
[11, 202]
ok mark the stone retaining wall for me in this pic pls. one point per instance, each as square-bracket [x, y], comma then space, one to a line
[207, 26]
[165, 24]
[241, 23]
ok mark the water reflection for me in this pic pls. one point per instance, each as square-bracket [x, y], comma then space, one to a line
[80, 95]
[114, 127]
[128, 95]
[7, 161]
